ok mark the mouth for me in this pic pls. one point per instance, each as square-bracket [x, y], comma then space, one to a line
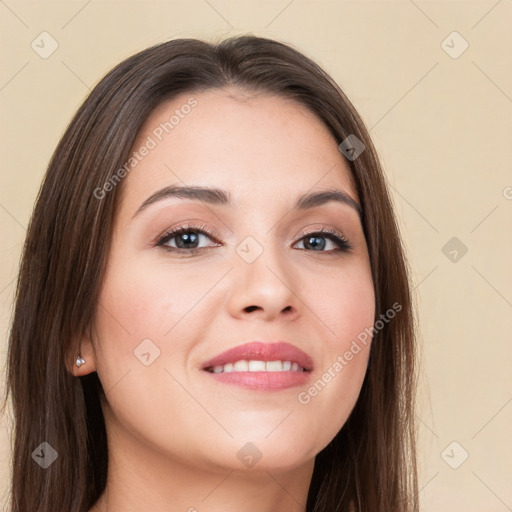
[257, 366]
[261, 366]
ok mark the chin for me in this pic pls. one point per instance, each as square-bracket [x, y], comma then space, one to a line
[251, 455]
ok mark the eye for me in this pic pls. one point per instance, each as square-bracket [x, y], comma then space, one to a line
[186, 239]
[318, 240]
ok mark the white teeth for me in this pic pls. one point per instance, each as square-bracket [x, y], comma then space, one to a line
[257, 366]
[274, 366]
[241, 366]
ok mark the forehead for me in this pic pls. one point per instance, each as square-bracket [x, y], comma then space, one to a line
[248, 144]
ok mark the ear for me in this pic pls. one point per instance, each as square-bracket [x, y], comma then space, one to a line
[86, 350]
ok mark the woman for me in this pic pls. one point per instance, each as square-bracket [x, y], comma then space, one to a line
[213, 309]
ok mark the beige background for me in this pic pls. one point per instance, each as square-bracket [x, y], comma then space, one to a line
[443, 127]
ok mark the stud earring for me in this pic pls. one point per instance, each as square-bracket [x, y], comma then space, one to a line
[79, 361]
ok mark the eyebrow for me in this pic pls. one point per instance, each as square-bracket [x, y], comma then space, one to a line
[216, 196]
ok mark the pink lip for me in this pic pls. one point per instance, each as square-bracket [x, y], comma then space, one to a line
[263, 381]
[260, 351]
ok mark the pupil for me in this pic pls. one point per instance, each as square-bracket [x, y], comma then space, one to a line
[188, 239]
[316, 241]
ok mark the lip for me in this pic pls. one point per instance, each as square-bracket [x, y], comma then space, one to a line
[261, 351]
[263, 381]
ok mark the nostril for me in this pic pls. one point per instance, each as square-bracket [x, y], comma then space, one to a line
[251, 308]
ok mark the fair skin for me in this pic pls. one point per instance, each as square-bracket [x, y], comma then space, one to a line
[174, 431]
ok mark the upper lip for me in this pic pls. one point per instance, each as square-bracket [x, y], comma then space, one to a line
[261, 351]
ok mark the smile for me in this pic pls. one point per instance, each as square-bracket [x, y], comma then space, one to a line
[257, 366]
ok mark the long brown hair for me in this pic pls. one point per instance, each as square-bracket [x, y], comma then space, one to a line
[370, 464]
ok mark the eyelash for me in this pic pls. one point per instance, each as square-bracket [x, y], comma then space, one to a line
[342, 243]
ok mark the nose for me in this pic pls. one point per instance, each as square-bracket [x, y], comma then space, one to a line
[264, 288]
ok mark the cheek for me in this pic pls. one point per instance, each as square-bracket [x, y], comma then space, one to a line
[147, 308]
[140, 301]
[354, 315]
[344, 303]
[345, 306]
[143, 323]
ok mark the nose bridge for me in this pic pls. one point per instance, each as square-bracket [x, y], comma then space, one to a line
[263, 279]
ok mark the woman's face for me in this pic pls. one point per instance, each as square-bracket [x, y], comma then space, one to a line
[169, 304]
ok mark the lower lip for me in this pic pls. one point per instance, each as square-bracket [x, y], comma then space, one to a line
[263, 381]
